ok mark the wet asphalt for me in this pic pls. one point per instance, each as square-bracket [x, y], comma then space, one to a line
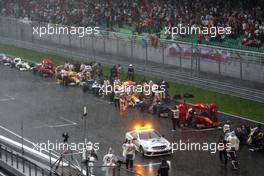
[48, 109]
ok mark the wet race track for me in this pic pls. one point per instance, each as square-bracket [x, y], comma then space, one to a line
[47, 110]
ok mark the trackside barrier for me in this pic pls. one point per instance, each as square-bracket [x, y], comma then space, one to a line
[20, 164]
[197, 58]
[24, 164]
[28, 159]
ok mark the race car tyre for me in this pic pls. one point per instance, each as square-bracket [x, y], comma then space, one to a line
[12, 65]
[206, 124]
[34, 71]
[194, 123]
[214, 119]
[84, 88]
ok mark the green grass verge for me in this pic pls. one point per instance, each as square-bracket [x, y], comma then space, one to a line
[229, 104]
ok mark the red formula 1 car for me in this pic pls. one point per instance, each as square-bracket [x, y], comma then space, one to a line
[45, 68]
[204, 116]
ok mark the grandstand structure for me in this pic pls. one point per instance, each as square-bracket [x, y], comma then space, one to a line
[148, 18]
[210, 64]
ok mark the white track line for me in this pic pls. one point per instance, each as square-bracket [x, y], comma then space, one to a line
[58, 126]
[43, 125]
[67, 120]
[2, 174]
[9, 98]
[4, 99]
[12, 98]
[153, 164]
[54, 153]
[244, 118]
[70, 123]
[149, 165]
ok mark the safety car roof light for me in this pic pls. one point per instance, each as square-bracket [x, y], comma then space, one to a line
[147, 127]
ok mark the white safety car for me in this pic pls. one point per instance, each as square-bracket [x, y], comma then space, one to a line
[149, 142]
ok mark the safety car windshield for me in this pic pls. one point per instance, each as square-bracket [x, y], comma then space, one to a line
[144, 135]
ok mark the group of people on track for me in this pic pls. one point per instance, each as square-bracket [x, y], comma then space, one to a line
[234, 136]
[244, 134]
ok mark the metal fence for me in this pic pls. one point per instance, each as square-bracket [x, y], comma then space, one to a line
[246, 65]
[20, 163]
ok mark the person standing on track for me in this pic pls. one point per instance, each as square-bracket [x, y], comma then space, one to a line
[113, 74]
[130, 152]
[130, 72]
[183, 112]
[175, 119]
[117, 99]
[119, 70]
[163, 168]
[227, 127]
[222, 151]
[109, 163]
[64, 77]
[123, 103]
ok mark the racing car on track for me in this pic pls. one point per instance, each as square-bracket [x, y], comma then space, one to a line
[149, 142]
[87, 85]
[21, 65]
[204, 116]
[2, 56]
[196, 116]
[74, 78]
[6, 60]
[45, 68]
[15, 61]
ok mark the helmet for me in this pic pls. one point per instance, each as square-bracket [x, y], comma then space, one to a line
[130, 65]
[228, 122]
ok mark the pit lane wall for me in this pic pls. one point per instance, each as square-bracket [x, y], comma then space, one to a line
[218, 61]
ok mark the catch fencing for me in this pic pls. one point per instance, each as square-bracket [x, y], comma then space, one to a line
[19, 164]
[200, 59]
[22, 163]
